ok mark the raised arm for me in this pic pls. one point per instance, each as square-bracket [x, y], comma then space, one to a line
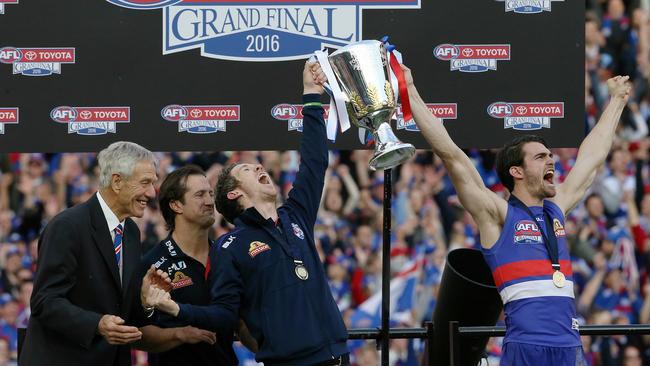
[308, 186]
[595, 147]
[485, 206]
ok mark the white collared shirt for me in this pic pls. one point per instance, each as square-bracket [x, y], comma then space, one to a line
[112, 221]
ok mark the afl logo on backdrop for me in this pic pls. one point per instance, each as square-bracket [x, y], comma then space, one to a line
[9, 55]
[91, 120]
[292, 113]
[526, 115]
[472, 58]
[252, 30]
[37, 61]
[200, 119]
[446, 52]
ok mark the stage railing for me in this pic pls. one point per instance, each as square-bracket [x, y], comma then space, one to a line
[456, 332]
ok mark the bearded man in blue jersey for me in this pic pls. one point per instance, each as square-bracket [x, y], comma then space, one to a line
[523, 239]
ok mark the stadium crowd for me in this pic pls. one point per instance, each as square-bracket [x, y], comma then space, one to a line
[609, 232]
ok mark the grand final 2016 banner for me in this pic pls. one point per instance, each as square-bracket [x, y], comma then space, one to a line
[76, 75]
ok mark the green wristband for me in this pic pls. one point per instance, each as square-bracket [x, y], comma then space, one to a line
[313, 104]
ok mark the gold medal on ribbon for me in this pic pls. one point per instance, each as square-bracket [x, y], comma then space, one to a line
[558, 279]
[301, 272]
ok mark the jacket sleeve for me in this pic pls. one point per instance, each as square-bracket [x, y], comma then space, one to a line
[308, 186]
[55, 277]
[223, 312]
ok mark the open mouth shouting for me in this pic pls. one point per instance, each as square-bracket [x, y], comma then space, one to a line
[549, 175]
[264, 178]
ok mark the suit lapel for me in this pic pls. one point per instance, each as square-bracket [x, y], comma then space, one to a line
[131, 250]
[102, 238]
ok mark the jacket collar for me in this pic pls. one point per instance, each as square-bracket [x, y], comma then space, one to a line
[251, 216]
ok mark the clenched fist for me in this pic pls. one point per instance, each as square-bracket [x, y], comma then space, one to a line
[619, 87]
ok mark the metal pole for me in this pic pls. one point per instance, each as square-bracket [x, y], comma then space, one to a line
[385, 269]
[454, 344]
[429, 347]
[483, 331]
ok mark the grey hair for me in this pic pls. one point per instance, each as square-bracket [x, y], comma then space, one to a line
[121, 157]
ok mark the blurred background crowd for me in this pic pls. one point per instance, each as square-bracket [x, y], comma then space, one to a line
[609, 232]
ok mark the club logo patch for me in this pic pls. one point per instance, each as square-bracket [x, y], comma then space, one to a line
[298, 231]
[257, 247]
[181, 280]
[558, 228]
[527, 232]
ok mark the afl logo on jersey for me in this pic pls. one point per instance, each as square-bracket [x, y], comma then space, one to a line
[527, 232]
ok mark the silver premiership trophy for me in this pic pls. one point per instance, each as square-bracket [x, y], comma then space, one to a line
[363, 73]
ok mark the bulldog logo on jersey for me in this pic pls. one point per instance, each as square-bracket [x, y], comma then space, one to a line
[181, 280]
[257, 247]
[527, 232]
[558, 228]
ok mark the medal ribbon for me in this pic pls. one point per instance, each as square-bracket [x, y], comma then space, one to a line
[287, 231]
[549, 240]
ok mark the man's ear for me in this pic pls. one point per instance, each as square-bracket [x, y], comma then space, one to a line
[516, 172]
[233, 195]
[175, 206]
[116, 182]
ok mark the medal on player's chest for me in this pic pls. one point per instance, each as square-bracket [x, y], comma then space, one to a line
[558, 279]
[301, 271]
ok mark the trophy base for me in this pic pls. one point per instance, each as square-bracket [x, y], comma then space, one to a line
[391, 155]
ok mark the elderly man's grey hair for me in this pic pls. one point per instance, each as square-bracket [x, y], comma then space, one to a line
[121, 157]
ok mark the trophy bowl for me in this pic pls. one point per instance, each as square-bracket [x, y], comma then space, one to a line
[362, 71]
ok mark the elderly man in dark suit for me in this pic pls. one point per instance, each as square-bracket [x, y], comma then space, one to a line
[86, 300]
